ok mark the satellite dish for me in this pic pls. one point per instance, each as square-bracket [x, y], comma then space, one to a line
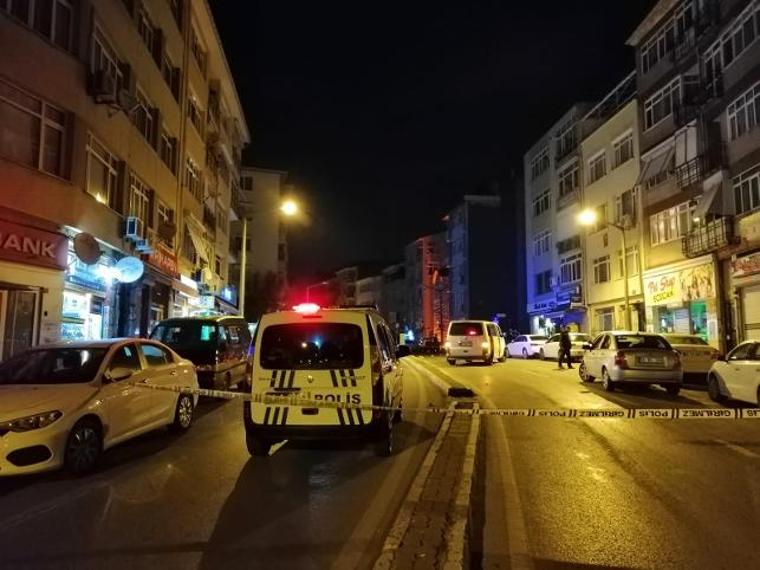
[129, 269]
[87, 249]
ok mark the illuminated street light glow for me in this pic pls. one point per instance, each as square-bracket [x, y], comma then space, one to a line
[587, 217]
[289, 208]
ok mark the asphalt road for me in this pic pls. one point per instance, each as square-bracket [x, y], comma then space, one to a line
[581, 493]
[200, 501]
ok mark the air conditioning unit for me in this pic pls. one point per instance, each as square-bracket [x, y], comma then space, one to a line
[104, 86]
[145, 246]
[134, 228]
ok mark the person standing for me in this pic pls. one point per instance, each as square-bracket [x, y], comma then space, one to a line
[565, 344]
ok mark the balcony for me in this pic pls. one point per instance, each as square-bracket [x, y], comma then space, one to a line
[708, 237]
[565, 150]
[209, 219]
[698, 168]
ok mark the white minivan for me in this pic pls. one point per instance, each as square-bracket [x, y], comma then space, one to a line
[474, 340]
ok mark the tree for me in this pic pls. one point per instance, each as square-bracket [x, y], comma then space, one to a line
[264, 292]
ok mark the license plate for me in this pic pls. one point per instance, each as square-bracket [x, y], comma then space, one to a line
[650, 360]
[465, 343]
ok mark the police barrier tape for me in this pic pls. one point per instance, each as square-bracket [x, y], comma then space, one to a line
[309, 401]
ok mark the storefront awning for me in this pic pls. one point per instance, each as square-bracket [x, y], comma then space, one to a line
[195, 230]
[656, 165]
[707, 203]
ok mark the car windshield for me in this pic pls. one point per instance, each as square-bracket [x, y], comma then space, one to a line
[53, 366]
[579, 337]
[642, 341]
[186, 334]
[687, 340]
[466, 328]
[312, 346]
[537, 338]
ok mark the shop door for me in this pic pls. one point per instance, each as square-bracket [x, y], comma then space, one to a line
[751, 312]
[17, 310]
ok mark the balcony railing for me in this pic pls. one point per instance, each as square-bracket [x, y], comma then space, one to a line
[708, 237]
[700, 167]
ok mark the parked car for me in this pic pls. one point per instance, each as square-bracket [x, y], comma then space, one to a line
[550, 348]
[632, 358]
[62, 405]
[738, 375]
[474, 340]
[526, 345]
[697, 357]
[430, 345]
[219, 346]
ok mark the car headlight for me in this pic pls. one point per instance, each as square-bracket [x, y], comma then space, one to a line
[29, 423]
[447, 344]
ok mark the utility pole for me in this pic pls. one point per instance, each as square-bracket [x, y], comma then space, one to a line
[243, 261]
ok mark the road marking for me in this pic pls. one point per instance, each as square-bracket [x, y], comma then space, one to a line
[442, 385]
[738, 448]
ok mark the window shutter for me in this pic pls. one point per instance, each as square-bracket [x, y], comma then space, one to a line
[156, 114]
[151, 208]
[128, 81]
[176, 78]
[121, 200]
[158, 46]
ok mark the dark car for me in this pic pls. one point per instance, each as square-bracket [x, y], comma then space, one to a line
[218, 346]
[430, 345]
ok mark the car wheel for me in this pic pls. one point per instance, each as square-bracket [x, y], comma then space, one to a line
[607, 383]
[672, 389]
[84, 447]
[451, 361]
[525, 353]
[713, 389]
[583, 373]
[183, 414]
[398, 415]
[488, 360]
[257, 446]
[384, 442]
[541, 354]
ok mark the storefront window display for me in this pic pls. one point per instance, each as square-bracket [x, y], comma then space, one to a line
[88, 298]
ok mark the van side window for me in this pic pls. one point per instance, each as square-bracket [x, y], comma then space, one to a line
[389, 340]
[382, 342]
[234, 333]
[222, 334]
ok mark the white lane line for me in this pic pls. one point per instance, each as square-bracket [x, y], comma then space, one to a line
[738, 448]
[442, 385]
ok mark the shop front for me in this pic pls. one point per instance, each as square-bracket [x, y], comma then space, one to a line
[32, 259]
[681, 298]
[745, 282]
[566, 309]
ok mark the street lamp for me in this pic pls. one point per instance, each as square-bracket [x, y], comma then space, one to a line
[314, 286]
[287, 208]
[588, 217]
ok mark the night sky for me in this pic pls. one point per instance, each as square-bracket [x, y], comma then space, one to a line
[385, 114]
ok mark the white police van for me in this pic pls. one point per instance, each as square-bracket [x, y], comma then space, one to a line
[332, 355]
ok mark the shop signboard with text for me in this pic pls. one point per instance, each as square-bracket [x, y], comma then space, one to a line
[746, 265]
[677, 287]
[24, 244]
[163, 259]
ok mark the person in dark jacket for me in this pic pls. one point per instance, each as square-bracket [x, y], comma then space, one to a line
[565, 344]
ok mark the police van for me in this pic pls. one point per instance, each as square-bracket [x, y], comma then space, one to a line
[345, 355]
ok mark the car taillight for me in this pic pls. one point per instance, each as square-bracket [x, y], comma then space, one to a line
[620, 360]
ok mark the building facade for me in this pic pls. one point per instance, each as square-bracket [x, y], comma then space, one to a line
[425, 261]
[119, 121]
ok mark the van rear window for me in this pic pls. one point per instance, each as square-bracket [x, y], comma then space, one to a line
[466, 328]
[312, 346]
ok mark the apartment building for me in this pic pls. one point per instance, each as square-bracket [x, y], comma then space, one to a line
[610, 157]
[426, 264]
[698, 64]
[120, 121]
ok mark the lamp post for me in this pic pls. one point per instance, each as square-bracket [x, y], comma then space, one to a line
[287, 208]
[588, 218]
[314, 286]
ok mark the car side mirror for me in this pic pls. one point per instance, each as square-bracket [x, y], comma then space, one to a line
[117, 374]
[403, 350]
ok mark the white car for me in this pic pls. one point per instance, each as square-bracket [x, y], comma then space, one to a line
[474, 340]
[550, 349]
[63, 404]
[738, 375]
[526, 345]
[697, 357]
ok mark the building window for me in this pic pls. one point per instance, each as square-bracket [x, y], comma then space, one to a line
[193, 180]
[165, 219]
[670, 34]
[543, 282]
[570, 269]
[605, 319]
[660, 105]
[747, 190]
[742, 33]
[542, 243]
[32, 132]
[102, 173]
[539, 163]
[542, 202]
[171, 75]
[597, 167]
[601, 220]
[103, 59]
[199, 52]
[568, 179]
[568, 244]
[145, 29]
[218, 265]
[631, 261]
[188, 249]
[567, 140]
[602, 269]
[195, 113]
[222, 219]
[176, 8]
[142, 117]
[625, 205]
[51, 18]
[671, 224]
[168, 150]
[744, 113]
[623, 150]
[139, 203]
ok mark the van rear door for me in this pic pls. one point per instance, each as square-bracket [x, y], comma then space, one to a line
[325, 358]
